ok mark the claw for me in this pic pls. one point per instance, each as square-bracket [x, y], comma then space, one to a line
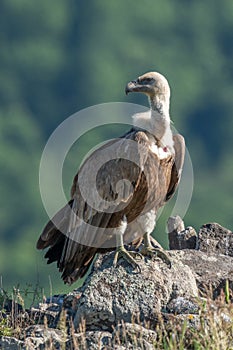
[163, 256]
[149, 250]
[129, 256]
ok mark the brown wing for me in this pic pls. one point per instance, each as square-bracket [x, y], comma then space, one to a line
[71, 244]
[179, 146]
[59, 221]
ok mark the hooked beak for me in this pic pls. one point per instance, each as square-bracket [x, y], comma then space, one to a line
[136, 86]
[131, 87]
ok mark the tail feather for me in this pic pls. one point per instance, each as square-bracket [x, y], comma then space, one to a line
[71, 274]
[73, 259]
[54, 253]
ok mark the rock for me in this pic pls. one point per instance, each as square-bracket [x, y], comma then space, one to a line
[57, 299]
[46, 311]
[192, 321]
[110, 295]
[134, 336]
[213, 238]
[179, 236]
[10, 343]
[211, 271]
[71, 300]
[10, 305]
[41, 337]
[182, 305]
[92, 340]
[175, 223]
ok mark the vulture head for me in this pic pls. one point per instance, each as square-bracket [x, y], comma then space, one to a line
[153, 84]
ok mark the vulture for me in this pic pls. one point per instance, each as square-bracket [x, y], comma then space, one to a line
[117, 210]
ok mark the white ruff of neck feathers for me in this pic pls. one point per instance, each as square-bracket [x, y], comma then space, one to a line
[157, 122]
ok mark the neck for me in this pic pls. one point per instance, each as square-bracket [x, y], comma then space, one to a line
[156, 121]
[160, 106]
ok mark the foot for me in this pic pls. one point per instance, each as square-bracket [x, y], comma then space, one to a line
[129, 256]
[149, 250]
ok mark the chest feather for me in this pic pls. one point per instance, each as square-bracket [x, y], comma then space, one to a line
[161, 152]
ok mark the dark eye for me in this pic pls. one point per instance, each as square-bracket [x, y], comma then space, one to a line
[149, 80]
[145, 81]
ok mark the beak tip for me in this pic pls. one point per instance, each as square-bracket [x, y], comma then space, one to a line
[131, 87]
[127, 89]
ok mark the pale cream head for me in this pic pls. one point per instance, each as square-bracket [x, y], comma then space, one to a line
[152, 84]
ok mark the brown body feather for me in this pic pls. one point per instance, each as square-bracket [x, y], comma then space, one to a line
[153, 182]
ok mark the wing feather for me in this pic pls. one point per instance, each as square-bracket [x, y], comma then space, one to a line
[70, 234]
[179, 146]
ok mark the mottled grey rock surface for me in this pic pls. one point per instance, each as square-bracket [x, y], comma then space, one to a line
[110, 294]
[213, 238]
[211, 271]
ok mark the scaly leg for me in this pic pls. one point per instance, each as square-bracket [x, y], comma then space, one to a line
[150, 250]
[121, 252]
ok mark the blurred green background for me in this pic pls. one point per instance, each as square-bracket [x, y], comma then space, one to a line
[57, 57]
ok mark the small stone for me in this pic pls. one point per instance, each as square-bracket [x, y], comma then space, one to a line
[179, 236]
[182, 305]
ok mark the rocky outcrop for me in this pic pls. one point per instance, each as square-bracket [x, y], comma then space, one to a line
[119, 308]
[110, 295]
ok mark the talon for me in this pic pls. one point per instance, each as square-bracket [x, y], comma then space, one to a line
[121, 252]
[149, 250]
[139, 268]
[136, 254]
[163, 256]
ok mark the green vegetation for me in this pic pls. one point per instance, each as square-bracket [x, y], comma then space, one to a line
[58, 57]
